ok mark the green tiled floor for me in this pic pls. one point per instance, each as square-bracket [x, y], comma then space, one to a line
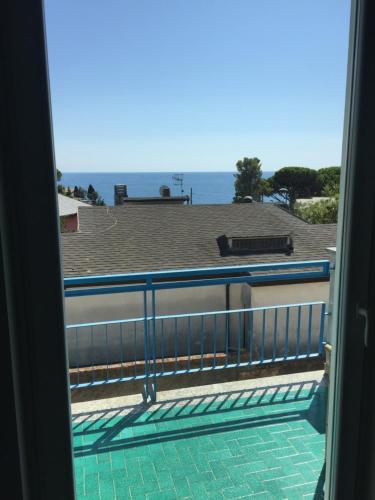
[264, 444]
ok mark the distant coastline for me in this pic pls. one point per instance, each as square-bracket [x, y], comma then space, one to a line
[207, 187]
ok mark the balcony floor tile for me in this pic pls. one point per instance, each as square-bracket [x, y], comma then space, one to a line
[255, 439]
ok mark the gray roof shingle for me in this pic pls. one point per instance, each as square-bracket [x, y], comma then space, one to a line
[125, 239]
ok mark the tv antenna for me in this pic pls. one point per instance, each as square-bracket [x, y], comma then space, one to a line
[178, 180]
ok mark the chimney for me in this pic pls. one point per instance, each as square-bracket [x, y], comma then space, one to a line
[121, 192]
[165, 192]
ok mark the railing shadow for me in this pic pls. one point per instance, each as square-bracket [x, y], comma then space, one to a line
[319, 491]
[144, 419]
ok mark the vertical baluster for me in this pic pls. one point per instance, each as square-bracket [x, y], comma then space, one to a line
[162, 346]
[274, 349]
[226, 337]
[321, 333]
[263, 336]
[107, 350]
[77, 355]
[175, 345]
[286, 347]
[251, 335]
[202, 340]
[146, 345]
[122, 352]
[189, 341]
[92, 355]
[309, 331]
[153, 319]
[135, 347]
[214, 338]
[298, 331]
[239, 338]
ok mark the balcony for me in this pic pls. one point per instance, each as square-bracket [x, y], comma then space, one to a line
[184, 405]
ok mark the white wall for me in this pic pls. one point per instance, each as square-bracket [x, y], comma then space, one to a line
[91, 343]
[287, 294]
[125, 342]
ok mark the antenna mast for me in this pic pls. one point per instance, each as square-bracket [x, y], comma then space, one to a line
[178, 180]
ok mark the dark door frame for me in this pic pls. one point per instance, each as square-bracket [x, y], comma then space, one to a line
[351, 436]
[38, 460]
[39, 457]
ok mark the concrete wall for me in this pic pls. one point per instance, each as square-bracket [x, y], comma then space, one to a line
[125, 342]
[90, 345]
[287, 294]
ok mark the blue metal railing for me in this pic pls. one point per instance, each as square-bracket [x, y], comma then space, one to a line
[153, 346]
[184, 278]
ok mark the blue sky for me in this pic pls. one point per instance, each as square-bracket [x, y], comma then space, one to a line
[179, 85]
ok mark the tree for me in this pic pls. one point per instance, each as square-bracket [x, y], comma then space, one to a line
[320, 212]
[248, 180]
[297, 182]
[94, 197]
[91, 193]
[58, 175]
[329, 180]
[99, 201]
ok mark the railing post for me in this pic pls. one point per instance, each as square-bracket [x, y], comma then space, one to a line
[321, 334]
[309, 331]
[250, 332]
[286, 347]
[153, 314]
[326, 267]
[227, 326]
[147, 352]
[263, 335]
[274, 347]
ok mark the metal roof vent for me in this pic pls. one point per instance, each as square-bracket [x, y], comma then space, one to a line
[261, 244]
[165, 192]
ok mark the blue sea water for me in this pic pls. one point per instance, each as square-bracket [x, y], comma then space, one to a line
[207, 187]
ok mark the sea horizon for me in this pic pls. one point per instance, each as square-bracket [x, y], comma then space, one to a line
[207, 187]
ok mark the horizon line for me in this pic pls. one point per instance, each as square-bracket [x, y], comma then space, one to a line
[154, 172]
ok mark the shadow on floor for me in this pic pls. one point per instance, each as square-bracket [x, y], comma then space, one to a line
[225, 413]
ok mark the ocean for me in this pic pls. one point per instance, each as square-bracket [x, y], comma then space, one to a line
[207, 187]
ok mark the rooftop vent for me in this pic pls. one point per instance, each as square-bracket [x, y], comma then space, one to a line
[261, 244]
[164, 191]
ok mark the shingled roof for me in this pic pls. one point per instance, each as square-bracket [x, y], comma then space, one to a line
[128, 239]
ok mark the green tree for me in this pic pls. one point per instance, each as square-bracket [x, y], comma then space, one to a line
[94, 196]
[58, 175]
[329, 180]
[248, 180]
[320, 212]
[297, 182]
[99, 201]
[91, 193]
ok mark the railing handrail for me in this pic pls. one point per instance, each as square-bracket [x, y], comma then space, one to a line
[185, 278]
[148, 277]
[190, 315]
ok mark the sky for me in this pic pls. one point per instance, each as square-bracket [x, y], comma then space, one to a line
[195, 85]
